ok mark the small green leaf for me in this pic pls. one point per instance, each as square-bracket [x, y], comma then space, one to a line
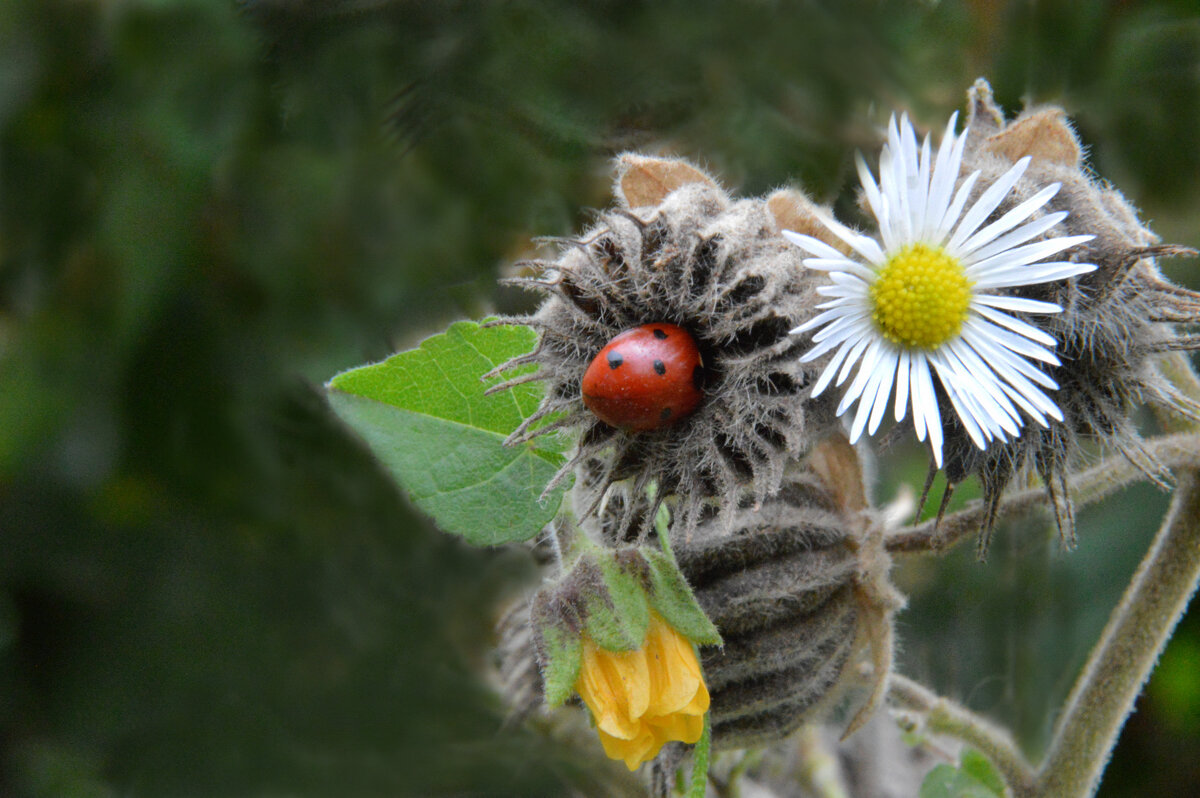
[564, 655]
[982, 770]
[976, 777]
[671, 596]
[425, 417]
[620, 622]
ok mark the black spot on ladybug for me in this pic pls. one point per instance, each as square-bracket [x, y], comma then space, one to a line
[665, 413]
[615, 360]
[659, 367]
[659, 334]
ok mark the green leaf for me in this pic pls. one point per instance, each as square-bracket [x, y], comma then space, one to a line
[671, 596]
[975, 778]
[425, 417]
[982, 770]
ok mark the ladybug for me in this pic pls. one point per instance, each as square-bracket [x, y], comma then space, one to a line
[645, 378]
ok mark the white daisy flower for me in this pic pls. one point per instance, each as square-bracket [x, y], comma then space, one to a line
[928, 296]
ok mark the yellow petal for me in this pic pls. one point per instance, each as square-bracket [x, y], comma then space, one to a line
[674, 672]
[641, 748]
[699, 703]
[603, 693]
[629, 671]
[689, 729]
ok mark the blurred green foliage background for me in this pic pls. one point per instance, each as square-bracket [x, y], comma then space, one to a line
[207, 588]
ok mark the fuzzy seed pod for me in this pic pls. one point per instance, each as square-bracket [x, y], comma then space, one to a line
[798, 596]
[798, 592]
[676, 250]
[1117, 321]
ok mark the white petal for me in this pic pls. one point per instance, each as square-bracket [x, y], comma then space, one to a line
[931, 417]
[920, 191]
[843, 335]
[850, 319]
[865, 369]
[813, 246]
[943, 177]
[988, 201]
[960, 199]
[1020, 328]
[1022, 391]
[831, 369]
[1009, 220]
[1016, 303]
[840, 264]
[1018, 236]
[863, 245]
[825, 317]
[887, 374]
[856, 350]
[870, 187]
[1002, 357]
[902, 369]
[949, 380]
[1000, 265]
[850, 281]
[990, 395]
[1036, 274]
[841, 302]
[982, 393]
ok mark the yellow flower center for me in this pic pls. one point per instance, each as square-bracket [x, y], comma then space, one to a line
[920, 297]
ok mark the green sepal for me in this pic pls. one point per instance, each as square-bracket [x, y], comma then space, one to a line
[556, 637]
[672, 598]
[617, 618]
[564, 657]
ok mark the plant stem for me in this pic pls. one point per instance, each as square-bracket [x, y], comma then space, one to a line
[1136, 633]
[700, 754]
[820, 772]
[943, 716]
[1181, 450]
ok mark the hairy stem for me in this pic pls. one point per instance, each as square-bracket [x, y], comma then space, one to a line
[820, 772]
[699, 783]
[943, 716]
[1179, 451]
[1137, 632]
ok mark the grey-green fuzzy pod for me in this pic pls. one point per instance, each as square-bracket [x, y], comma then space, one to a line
[1116, 323]
[677, 249]
[784, 586]
[795, 591]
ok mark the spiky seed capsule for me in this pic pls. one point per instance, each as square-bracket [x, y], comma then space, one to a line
[1116, 323]
[677, 249]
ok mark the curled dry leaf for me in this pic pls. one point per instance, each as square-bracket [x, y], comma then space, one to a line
[645, 182]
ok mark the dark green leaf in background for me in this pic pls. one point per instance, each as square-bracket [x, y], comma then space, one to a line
[425, 416]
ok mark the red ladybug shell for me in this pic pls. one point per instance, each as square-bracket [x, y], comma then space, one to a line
[645, 378]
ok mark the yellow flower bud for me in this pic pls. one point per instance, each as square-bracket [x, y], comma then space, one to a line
[645, 698]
